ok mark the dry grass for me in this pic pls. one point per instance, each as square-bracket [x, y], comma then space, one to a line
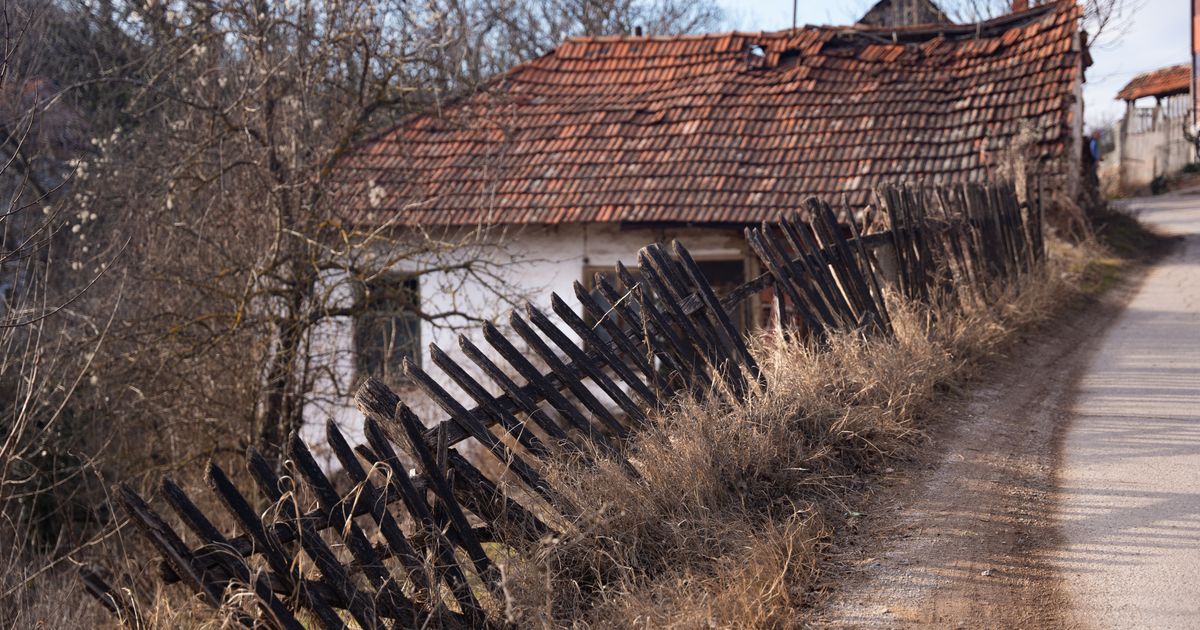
[727, 524]
[40, 592]
[49, 601]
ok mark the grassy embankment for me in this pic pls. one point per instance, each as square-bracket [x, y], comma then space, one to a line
[728, 526]
[730, 523]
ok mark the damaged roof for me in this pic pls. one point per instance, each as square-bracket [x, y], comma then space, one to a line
[1162, 82]
[730, 128]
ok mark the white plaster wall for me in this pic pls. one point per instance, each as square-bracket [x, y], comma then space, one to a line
[1161, 151]
[1150, 143]
[528, 264]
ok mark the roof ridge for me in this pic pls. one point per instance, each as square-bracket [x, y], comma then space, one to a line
[702, 129]
[991, 23]
[1174, 66]
[1164, 81]
[682, 37]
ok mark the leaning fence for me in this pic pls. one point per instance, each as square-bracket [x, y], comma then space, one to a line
[411, 542]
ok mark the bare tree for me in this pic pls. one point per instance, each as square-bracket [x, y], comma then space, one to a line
[215, 173]
[527, 28]
[240, 113]
[1104, 20]
[47, 484]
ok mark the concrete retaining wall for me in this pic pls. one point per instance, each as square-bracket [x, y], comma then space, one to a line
[1150, 142]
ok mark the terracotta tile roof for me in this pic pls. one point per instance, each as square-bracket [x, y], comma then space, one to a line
[1161, 82]
[728, 128]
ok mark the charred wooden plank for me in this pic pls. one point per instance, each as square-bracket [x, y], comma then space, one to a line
[476, 429]
[523, 400]
[514, 427]
[543, 385]
[794, 270]
[266, 541]
[688, 364]
[593, 370]
[173, 549]
[441, 487]
[658, 272]
[811, 258]
[754, 237]
[365, 559]
[199, 523]
[847, 267]
[475, 491]
[717, 310]
[115, 601]
[421, 510]
[615, 362]
[879, 299]
[607, 319]
[360, 604]
[647, 333]
[567, 375]
[398, 544]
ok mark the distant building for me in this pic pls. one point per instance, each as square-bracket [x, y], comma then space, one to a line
[893, 13]
[1151, 140]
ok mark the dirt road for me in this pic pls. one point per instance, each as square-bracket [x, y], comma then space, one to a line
[1130, 473]
[1067, 494]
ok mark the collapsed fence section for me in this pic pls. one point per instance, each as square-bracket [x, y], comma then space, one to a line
[418, 537]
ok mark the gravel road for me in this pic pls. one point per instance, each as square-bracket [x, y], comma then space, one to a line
[1065, 493]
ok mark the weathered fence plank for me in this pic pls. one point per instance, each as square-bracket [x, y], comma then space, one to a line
[662, 334]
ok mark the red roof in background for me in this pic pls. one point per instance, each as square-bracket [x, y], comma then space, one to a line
[729, 128]
[1161, 82]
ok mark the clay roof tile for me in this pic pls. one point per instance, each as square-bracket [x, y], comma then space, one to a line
[1162, 82]
[699, 128]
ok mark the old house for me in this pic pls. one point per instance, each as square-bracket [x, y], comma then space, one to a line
[605, 144]
[1151, 140]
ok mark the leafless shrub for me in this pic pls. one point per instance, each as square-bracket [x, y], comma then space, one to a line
[1105, 21]
[169, 259]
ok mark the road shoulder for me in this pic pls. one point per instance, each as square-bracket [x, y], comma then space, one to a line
[966, 536]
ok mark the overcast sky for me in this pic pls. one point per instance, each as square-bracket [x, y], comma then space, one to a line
[1156, 36]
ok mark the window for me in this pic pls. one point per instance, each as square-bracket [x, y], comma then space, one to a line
[387, 328]
[723, 275]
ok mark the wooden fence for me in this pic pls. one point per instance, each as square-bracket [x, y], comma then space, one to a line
[404, 548]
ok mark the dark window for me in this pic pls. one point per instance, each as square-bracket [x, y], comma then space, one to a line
[387, 329]
[723, 275]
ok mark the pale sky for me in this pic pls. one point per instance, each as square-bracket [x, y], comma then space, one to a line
[1156, 36]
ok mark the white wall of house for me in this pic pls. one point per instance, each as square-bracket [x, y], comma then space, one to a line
[528, 264]
[1150, 142]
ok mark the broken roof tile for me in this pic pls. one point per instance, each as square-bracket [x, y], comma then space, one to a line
[694, 129]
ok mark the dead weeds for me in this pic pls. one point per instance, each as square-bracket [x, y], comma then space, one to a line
[733, 514]
[727, 525]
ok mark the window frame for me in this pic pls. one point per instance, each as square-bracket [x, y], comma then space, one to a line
[365, 311]
[748, 317]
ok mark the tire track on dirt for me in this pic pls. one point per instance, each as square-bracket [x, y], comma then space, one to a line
[971, 542]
